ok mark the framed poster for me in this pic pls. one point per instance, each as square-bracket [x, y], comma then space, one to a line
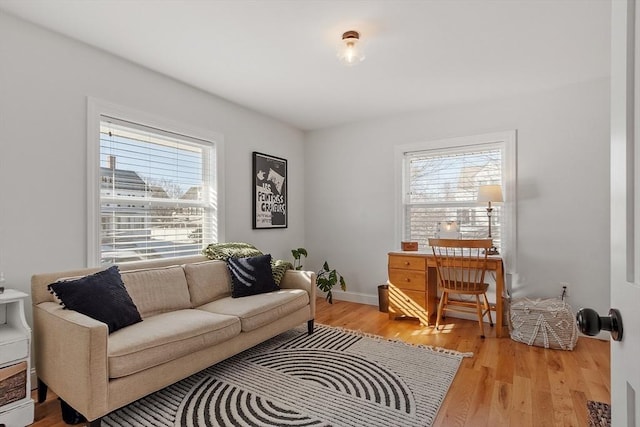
[269, 191]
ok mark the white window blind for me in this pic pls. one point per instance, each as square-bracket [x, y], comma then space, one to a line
[442, 185]
[157, 193]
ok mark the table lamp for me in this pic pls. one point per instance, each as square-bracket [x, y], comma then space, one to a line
[490, 193]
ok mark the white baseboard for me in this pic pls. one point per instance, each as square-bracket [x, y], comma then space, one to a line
[355, 297]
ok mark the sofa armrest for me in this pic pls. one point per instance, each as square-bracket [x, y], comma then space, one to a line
[296, 279]
[71, 357]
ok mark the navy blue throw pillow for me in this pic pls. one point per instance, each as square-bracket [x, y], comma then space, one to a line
[251, 276]
[101, 296]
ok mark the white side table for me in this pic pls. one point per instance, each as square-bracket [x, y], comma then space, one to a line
[16, 405]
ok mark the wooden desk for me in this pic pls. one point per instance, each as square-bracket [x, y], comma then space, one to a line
[413, 287]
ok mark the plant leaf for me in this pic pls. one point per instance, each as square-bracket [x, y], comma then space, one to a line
[303, 251]
[333, 276]
[343, 284]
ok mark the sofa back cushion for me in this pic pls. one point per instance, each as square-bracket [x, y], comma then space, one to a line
[157, 290]
[208, 281]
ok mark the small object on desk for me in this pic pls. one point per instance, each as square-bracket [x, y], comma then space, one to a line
[1, 289]
[409, 246]
[448, 230]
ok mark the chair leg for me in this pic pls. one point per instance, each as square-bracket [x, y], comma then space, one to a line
[446, 301]
[480, 322]
[440, 308]
[488, 308]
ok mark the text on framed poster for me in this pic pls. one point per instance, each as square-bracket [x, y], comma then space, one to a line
[269, 191]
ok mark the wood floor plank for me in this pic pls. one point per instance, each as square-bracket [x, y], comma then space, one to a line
[542, 402]
[521, 399]
[459, 403]
[520, 419]
[563, 410]
[580, 401]
[505, 383]
[499, 414]
[482, 395]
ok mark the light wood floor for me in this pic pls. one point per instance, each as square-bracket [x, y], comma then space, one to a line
[504, 384]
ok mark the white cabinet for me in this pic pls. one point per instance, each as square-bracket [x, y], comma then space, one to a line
[16, 405]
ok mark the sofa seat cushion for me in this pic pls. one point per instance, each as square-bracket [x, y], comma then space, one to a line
[258, 310]
[165, 337]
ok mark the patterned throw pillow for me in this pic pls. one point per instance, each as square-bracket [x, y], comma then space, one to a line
[224, 251]
[101, 296]
[251, 276]
[279, 267]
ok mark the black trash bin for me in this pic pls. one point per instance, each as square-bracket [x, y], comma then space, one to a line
[383, 298]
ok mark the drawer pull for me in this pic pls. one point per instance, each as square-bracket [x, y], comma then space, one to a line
[407, 263]
[407, 280]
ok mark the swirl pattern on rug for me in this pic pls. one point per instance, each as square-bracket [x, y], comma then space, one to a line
[331, 378]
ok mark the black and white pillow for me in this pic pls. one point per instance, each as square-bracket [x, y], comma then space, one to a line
[101, 296]
[251, 276]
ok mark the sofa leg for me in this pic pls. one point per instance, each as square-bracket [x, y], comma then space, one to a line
[70, 415]
[42, 391]
[310, 326]
[95, 423]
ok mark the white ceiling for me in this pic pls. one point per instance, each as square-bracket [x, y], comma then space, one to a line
[279, 56]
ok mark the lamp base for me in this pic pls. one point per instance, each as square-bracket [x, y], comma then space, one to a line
[492, 251]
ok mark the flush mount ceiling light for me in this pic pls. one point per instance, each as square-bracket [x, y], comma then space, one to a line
[350, 53]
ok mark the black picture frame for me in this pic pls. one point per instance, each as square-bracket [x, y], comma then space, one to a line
[269, 180]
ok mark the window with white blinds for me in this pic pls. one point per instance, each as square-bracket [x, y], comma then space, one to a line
[442, 185]
[157, 192]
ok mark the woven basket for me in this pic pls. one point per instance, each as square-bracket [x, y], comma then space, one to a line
[13, 383]
[548, 323]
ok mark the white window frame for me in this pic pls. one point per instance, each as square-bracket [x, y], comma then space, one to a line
[96, 109]
[507, 140]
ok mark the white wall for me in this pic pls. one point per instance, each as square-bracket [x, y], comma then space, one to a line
[44, 83]
[562, 189]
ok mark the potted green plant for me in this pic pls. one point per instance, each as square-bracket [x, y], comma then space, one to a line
[297, 257]
[327, 278]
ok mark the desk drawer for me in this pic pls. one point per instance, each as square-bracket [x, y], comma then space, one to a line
[407, 262]
[407, 301]
[407, 279]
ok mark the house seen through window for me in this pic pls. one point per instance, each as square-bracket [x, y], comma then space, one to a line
[157, 193]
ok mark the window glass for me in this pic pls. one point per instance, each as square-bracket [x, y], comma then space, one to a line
[441, 185]
[157, 192]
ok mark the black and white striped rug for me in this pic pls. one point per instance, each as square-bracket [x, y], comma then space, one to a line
[334, 378]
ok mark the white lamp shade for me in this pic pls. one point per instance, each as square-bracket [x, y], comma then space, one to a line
[490, 193]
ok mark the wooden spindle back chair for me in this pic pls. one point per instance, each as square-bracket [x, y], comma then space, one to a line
[461, 265]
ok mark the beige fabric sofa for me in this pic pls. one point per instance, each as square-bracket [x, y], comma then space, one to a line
[189, 323]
